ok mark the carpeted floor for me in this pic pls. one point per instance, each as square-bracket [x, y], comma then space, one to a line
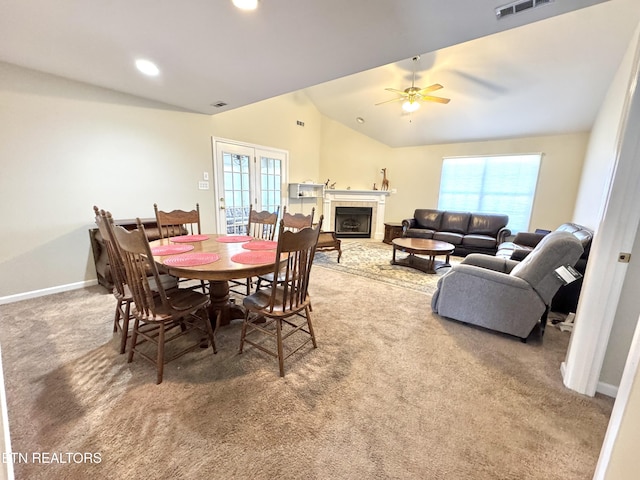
[391, 392]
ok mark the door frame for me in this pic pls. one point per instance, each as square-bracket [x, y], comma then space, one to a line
[256, 148]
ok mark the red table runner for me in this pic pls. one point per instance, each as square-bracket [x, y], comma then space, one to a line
[191, 259]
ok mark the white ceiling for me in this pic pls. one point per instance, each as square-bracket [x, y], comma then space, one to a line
[547, 77]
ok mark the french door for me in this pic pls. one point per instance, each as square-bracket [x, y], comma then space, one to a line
[246, 175]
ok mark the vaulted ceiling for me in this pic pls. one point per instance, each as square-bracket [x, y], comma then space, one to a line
[536, 72]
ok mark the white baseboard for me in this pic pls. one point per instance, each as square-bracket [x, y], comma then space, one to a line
[607, 389]
[603, 388]
[46, 291]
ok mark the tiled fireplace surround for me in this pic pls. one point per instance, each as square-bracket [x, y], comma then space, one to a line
[356, 198]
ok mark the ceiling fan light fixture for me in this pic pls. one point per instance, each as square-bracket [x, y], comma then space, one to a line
[410, 106]
[245, 4]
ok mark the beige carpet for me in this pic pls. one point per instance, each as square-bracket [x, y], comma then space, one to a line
[391, 392]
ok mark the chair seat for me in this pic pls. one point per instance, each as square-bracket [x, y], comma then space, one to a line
[260, 301]
[181, 301]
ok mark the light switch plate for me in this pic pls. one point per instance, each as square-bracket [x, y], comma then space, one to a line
[203, 185]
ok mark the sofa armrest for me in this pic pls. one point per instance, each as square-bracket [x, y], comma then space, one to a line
[502, 235]
[407, 224]
[528, 239]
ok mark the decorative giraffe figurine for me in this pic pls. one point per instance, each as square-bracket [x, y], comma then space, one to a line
[385, 182]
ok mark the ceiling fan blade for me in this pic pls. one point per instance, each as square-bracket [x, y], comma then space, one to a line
[429, 98]
[392, 100]
[430, 88]
[399, 92]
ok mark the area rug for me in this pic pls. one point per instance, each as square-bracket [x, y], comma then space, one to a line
[372, 259]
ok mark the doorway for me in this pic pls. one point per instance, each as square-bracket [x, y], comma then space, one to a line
[246, 175]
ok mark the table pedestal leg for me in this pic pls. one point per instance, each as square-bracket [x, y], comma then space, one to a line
[219, 293]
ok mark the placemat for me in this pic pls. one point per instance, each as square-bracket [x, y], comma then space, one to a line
[260, 245]
[255, 258]
[191, 259]
[234, 238]
[170, 249]
[189, 238]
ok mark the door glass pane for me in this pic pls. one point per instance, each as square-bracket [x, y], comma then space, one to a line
[236, 192]
[271, 181]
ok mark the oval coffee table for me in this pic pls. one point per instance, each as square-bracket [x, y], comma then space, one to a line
[422, 246]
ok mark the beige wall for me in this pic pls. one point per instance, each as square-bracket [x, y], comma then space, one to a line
[272, 123]
[69, 141]
[65, 146]
[354, 160]
[624, 463]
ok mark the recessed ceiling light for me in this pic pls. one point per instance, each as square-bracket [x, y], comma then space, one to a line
[147, 67]
[246, 4]
[359, 119]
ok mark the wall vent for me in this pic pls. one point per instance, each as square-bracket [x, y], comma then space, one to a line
[219, 104]
[520, 6]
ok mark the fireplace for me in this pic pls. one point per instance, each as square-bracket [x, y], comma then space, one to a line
[353, 222]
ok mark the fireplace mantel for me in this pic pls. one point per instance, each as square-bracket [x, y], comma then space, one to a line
[346, 198]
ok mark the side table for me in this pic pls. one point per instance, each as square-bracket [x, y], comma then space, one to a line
[392, 230]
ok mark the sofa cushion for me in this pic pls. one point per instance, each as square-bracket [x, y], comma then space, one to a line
[454, 238]
[455, 222]
[482, 224]
[419, 233]
[428, 218]
[479, 241]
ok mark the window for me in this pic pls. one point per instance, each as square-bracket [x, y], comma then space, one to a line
[493, 184]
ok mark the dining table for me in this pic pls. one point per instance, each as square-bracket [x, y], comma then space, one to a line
[216, 258]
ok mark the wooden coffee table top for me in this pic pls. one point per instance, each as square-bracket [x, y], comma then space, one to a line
[423, 246]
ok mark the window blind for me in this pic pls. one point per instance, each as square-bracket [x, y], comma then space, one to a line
[491, 184]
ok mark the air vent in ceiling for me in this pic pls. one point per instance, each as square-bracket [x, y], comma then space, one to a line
[521, 6]
[219, 104]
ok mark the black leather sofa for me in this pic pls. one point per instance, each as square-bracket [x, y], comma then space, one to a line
[468, 232]
[566, 299]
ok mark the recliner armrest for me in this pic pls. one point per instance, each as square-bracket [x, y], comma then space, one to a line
[497, 264]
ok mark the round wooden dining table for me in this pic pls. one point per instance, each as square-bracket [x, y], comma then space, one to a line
[217, 252]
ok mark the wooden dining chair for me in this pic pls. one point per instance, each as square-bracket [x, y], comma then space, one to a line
[120, 288]
[292, 223]
[282, 310]
[160, 317]
[261, 226]
[177, 223]
[297, 221]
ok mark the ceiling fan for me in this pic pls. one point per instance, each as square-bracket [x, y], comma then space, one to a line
[413, 95]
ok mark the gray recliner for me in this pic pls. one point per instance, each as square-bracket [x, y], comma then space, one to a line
[505, 295]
